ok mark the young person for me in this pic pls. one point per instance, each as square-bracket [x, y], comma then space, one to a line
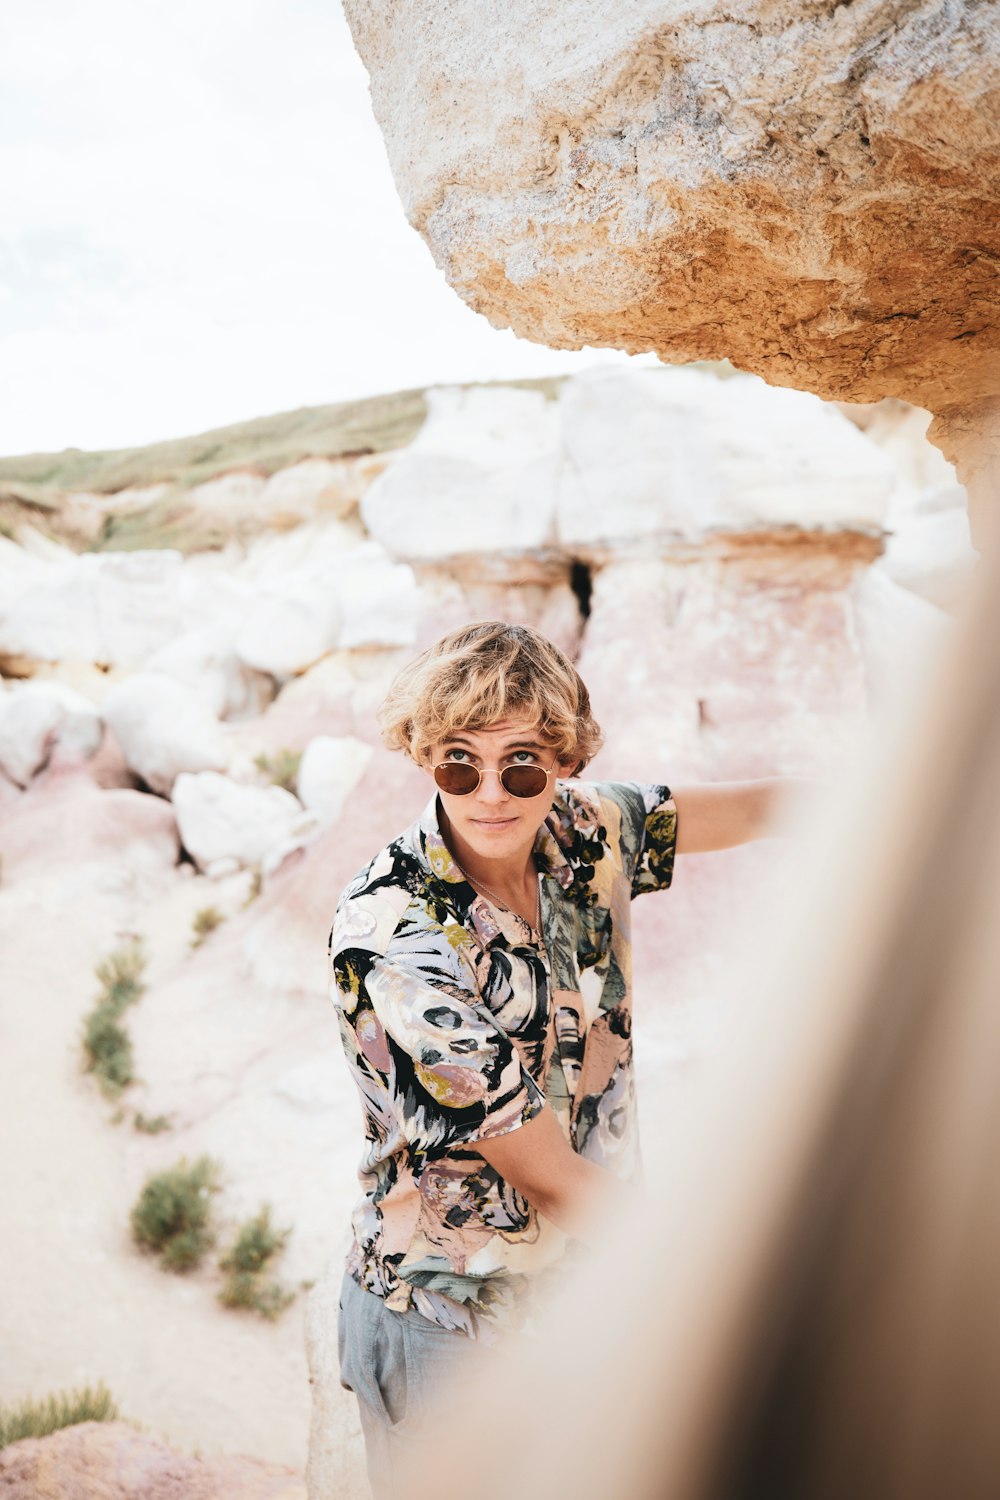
[481, 969]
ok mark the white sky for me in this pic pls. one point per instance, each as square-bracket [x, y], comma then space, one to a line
[199, 226]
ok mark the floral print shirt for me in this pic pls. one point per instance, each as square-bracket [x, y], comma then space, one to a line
[459, 1022]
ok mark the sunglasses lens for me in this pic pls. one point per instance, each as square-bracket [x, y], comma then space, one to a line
[524, 781]
[456, 777]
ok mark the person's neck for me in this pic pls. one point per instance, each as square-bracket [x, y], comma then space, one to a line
[512, 875]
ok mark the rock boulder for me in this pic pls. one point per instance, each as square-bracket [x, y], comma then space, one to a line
[114, 1461]
[808, 189]
[37, 717]
[164, 727]
[226, 825]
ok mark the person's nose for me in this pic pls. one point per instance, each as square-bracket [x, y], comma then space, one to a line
[491, 790]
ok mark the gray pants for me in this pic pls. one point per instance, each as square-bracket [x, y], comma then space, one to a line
[392, 1361]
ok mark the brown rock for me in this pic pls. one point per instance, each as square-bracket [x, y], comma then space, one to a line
[809, 190]
[112, 1461]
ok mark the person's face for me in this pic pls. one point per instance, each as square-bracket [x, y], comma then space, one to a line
[492, 822]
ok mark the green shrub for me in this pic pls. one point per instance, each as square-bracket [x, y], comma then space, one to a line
[106, 1044]
[255, 1244]
[205, 921]
[246, 1261]
[282, 767]
[39, 1418]
[151, 1124]
[121, 973]
[108, 1048]
[173, 1214]
[256, 1293]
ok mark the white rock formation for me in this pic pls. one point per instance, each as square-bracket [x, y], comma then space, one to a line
[324, 544]
[36, 717]
[317, 486]
[900, 431]
[898, 632]
[20, 572]
[113, 608]
[479, 476]
[164, 727]
[336, 598]
[931, 554]
[297, 614]
[205, 659]
[329, 770]
[379, 601]
[221, 821]
[293, 625]
[650, 451]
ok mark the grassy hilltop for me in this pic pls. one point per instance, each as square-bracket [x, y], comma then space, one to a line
[32, 486]
[372, 425]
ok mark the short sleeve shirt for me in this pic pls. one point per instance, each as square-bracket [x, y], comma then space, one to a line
[460, 1022]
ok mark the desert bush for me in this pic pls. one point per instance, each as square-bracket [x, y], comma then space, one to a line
[108, 1049]
[106, 1044]
[151, 1124]
[172, 1216]
[121, 973]
[246, 1261]
[205, 921]
[256, 1293]
[32, 1418]
[282, 768]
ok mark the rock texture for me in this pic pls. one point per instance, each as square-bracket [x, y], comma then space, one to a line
[112, 1461]
[164, 727]
[620, 457]
[225, 824]
[808, 189]
[37, 717]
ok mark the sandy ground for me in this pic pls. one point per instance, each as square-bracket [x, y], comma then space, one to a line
[79, 1301]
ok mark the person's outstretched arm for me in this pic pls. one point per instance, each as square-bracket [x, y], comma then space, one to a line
[721, 814]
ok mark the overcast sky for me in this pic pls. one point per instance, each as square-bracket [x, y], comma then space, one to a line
[199, 226]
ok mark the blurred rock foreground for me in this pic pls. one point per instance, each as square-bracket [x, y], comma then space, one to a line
[745, 575]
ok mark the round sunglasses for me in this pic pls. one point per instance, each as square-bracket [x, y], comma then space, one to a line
[460, 777]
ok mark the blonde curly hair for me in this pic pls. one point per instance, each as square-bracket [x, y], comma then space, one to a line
[482, 674]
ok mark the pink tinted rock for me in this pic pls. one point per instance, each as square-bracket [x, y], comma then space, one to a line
[738, 662]
[286, 944]
[338, 696]
[734, 665]
[523, 591]
[255, 994]
[108, 766]
[113, 1461]
[63, 818]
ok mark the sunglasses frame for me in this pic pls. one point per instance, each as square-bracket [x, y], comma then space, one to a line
[520, 766]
